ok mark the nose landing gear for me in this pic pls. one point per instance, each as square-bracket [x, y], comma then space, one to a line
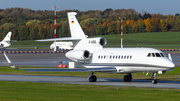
[154, 81]
[91, 77]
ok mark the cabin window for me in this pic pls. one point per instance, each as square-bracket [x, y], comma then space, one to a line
[99, 57]
[113, 57]
[119, 56]
[162, 54]
[116, 56]
[128, 57]
[110, 57]
[124, 57]
[158, 55]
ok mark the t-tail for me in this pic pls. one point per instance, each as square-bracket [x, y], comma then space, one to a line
[76, 31]
[78, 37]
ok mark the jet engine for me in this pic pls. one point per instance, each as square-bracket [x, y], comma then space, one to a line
[78, 54]
[97, 42]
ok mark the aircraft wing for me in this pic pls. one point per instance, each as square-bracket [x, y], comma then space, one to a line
[8, 60]
[56, 39]
[68, 69]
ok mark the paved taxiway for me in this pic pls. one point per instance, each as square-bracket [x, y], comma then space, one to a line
[53, 59]
[34, 59]
[100, 81]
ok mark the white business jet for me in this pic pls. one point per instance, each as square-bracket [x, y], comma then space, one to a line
[6, 41]
[89, 52]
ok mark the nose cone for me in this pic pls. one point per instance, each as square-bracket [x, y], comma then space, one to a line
[170, 64]
[52, 46]
[68, 54]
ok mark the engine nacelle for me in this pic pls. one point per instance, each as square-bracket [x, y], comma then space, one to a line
[97, 42]
[78, 54]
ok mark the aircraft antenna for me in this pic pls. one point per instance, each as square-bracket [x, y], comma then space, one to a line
[55, 49]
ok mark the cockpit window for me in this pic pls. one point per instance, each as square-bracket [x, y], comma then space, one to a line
[153, 54]
[158, 55]
[162, 54]
[149, 55]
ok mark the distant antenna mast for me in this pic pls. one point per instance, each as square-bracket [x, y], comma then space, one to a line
[121, 30]
[55, 49]
[54, 20]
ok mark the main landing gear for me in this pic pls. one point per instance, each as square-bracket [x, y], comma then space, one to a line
[154, 81]
[92, 77]
[128, 77]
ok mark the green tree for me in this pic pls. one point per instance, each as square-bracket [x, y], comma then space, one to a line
[101, 30]
[21, 33]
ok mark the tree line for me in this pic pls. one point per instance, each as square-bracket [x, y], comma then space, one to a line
[27, 24]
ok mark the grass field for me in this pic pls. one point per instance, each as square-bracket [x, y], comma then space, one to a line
[154, 40]
[33, 91]
[36, 91]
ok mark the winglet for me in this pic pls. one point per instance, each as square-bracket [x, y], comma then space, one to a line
[8, 60]
[170, 58]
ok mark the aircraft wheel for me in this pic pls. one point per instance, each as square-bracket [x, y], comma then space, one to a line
[92, 79]
[127, 78]
[154, 81]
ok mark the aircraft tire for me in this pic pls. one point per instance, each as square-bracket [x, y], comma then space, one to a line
[154, 81]
[127, 78]
[92, 78]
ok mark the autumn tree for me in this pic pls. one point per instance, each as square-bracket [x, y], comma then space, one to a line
[163, 25]
[147, 23]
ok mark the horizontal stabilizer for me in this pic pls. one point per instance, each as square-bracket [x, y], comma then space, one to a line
[68, 69]
[59, 39]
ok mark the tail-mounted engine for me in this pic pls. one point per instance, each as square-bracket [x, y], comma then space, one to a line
[78, 54]
[97, 42]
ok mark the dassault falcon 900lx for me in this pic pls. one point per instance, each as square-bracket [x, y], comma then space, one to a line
[89, 52]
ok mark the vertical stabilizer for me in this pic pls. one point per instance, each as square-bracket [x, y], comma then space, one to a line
[8, 37]
[75, 28]
[76, 32]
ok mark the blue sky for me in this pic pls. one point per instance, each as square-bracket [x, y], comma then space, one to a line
[164, 7]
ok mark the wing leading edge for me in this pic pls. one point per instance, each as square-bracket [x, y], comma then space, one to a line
[59, 39]
[68, 69]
